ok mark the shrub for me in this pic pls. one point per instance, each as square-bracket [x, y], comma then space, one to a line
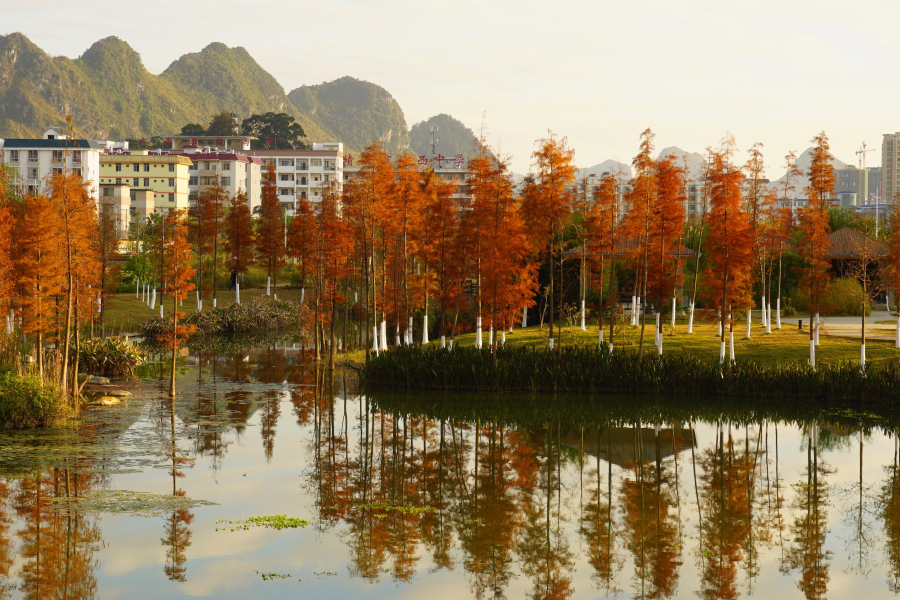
[26, 403]
[265, 315]
[844, 298]
[589, 370]
[109, 358]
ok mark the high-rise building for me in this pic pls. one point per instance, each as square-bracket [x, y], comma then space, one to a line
[890, 165]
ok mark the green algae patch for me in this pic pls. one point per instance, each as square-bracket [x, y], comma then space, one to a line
[272, 522]
[126, 502]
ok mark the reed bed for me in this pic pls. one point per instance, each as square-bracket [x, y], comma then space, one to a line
[583, 369]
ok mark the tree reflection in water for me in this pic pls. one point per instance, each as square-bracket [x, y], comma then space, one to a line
[512, 497]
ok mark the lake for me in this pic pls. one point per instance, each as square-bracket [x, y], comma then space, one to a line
[440, 496]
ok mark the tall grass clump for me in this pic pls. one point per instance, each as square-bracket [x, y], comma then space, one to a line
[26, 402]
[585, 369]
[109, 358]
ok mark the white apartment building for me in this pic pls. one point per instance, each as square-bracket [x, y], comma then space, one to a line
[303, 173]
[447, 169]
[33, 161]
[236, 172]
[890, 165]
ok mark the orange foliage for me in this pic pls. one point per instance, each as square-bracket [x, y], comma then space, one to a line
[239, 242]
[815, 245]
[178, 273]
[270, 228]
[729, 247]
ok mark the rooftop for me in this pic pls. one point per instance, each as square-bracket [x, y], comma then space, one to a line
[53, 144]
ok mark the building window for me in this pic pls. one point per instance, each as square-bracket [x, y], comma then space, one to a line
[302, 166]
[329, 165]
[59, 155]
[118, 167]
[286, 177]
[137, 182]
[226, 166]
[303, 181]
[171, 167]
[171, 183]
[137, 167]
[192, 180]
[13, 156]
[316, 162]
[146, 182]
[286, 162]
[118, 181]
[226, 181]
[107, 192]
[77, 172]
[193, 166]
[146, 167]
[76, 156]
[32, 156]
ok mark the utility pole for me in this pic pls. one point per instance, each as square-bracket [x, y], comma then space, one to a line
[863, 187]
[434, 141]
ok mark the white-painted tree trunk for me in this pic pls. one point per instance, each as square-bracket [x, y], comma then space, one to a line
[214, 303]
[633, 311]
[450, 346]
[411, 332]
[383, 334]
[600, 339]
[161, 312]
[691, 318]
[424, 329]
[524, 317]
[99, 304]
[658, 333]
[731, 344]
[897, 333]
[610, 346]
[197, 294]
[551, 343]
[768, 317]
[749, 319]
[812, 353]
[200, 307]
[491, 335]
[818, 324]
[237, 293]
[673, 312]
[397, 335]
[443, 341]
[763, 307]
[153, 300]
[275, 296]
[721, 351]
[478, 332]
[659, 343]
[302, 294]
[137, 289]
[719, 328]
[375, 339]
[862, 357]
[503, 339]
[778, 313]
[582, 316]
[268, 285]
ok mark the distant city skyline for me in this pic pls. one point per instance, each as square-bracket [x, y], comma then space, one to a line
[597, 73]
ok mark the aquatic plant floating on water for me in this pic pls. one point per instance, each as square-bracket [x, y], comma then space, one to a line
[270, 522]
[127, 502]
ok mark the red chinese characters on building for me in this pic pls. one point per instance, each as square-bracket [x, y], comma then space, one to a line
[459, 160]
[220, 142]
[423, 160]
[270, 141]
[193, 141]
[168, 142]
[439, 159]
[348, 160]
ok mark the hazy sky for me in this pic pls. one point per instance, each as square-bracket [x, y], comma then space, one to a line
[598, 72]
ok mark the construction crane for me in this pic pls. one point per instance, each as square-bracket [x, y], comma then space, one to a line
[863, 191]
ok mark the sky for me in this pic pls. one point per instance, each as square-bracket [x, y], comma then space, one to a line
[597, 72]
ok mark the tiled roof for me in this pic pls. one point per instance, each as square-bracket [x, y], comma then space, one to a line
[54, 144]
[849, 243]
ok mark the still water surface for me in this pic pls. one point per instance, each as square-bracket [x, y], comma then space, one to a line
[517, 497]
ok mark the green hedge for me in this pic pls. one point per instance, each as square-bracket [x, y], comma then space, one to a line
[26, 403]
[586, 369]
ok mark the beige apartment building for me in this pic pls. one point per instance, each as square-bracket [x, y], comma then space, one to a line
[165, 176]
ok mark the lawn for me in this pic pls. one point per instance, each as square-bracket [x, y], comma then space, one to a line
[124, 312]
[786, 345]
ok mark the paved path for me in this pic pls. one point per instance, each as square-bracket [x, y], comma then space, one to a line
[850, 326]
